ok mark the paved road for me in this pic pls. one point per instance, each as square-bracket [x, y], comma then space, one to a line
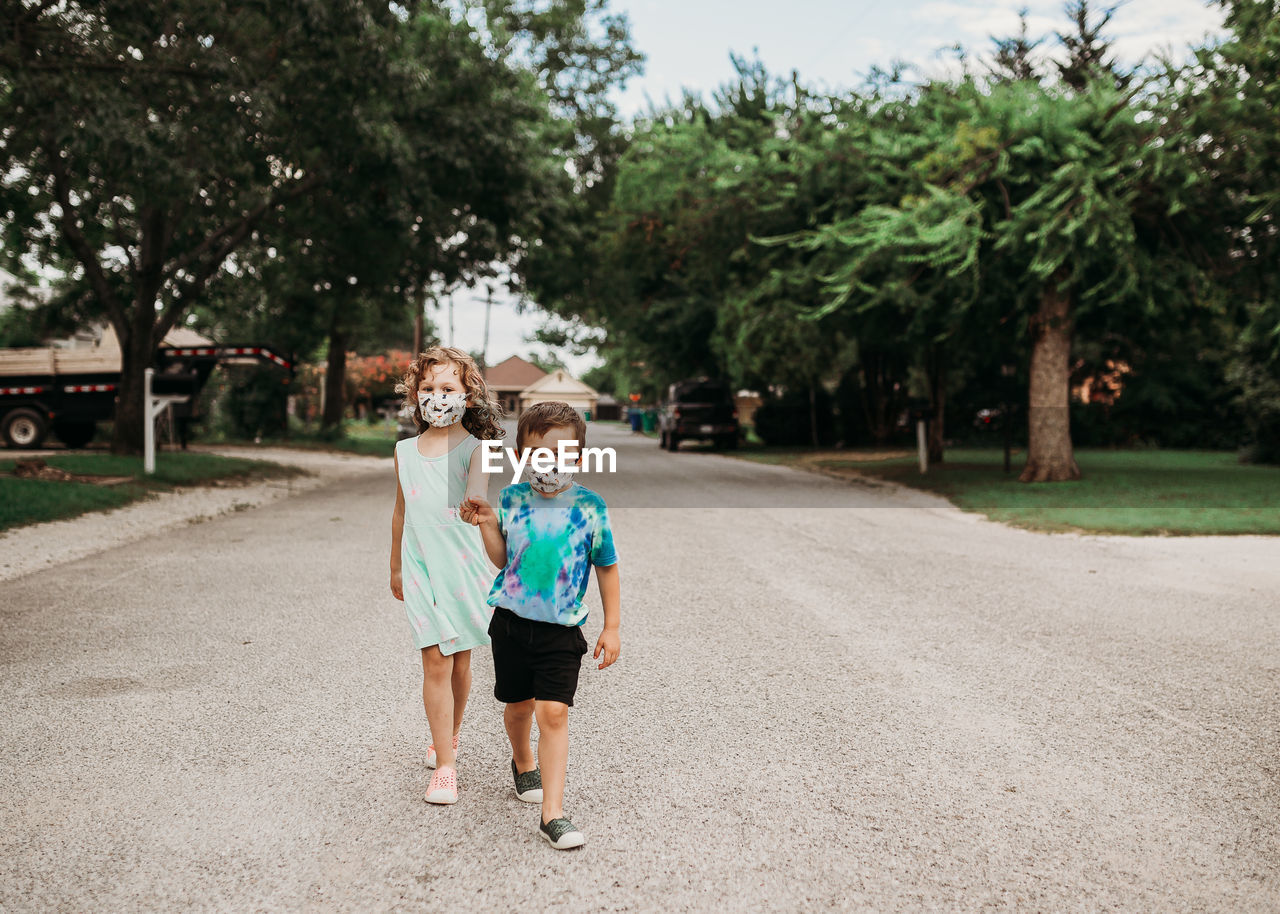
[829, 697]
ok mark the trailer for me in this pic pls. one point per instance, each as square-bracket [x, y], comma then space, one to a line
[67, 391]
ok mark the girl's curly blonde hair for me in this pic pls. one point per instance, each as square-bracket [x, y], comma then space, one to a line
[483, 414]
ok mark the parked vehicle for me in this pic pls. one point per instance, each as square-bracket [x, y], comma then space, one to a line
[698, 409]
[68, 391]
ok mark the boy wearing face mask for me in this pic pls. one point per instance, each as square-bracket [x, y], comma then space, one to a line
[546, 535]
[438, 565]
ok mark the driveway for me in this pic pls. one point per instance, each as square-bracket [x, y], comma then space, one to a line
[830, 697]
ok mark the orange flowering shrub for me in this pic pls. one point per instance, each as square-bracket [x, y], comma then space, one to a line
[371, 380]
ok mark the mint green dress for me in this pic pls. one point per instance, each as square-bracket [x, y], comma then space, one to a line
[443, 567]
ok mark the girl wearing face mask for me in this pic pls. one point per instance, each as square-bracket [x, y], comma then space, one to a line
[438, 563]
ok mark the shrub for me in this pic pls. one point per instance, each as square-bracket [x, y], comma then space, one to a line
[785, 420]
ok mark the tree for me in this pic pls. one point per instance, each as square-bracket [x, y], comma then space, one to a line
[1083, 193]
[372, 152]
[671, 277]
[1227, 102]
[1088, 52]
[580, 52]
[446, 198]
[146, 145]
[1013, 59]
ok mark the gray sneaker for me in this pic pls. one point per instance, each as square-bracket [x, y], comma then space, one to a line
[561, 834]
[528, 784]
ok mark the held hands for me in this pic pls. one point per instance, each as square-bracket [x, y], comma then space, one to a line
[608, 644]
[475, 510]
[397, 585]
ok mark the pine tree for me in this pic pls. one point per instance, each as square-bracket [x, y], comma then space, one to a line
[1013, 59]
[1088, 53]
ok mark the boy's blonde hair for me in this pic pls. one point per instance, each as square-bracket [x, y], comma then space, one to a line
[483, 414]
[542, 417]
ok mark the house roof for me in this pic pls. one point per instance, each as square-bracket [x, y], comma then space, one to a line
[513, 374]
[185, 336]
[558, 383]
[178, 336]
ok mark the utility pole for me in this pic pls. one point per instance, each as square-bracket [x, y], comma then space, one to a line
[421, 303]
[488, 305]
[450, 319]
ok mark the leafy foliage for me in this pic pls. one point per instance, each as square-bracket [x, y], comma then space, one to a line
[321, 164]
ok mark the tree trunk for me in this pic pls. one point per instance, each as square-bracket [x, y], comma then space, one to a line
[136, 356]
[813, 414]
[938, 394]
[136, 330]
[875, 399]
[130, 415]
[335, 381]
[868, 413]
[1049, 453]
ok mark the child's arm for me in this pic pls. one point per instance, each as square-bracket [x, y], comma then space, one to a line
[475, 510]
[609, 642]
[477, 478]
[397, 533]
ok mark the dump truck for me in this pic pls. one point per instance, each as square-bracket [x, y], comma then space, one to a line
[68, 390]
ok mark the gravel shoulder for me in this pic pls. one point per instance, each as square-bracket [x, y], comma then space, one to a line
[40, 546]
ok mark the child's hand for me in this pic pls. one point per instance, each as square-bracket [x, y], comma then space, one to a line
[610, 645]
[476, 511]
[397, 587]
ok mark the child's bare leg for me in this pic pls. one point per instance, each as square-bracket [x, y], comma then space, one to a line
[518, 718]
[437, 699]
[460, 681]
[553, 755]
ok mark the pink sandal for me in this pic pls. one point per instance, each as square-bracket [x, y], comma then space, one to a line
[443, 788]
[431, 753]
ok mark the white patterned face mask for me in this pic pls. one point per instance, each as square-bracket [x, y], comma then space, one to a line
[551, 481]
[442, 409]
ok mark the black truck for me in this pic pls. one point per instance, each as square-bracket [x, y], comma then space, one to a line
[699, 408]
[68, 391]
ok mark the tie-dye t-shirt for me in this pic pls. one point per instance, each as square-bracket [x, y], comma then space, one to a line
[552, 542]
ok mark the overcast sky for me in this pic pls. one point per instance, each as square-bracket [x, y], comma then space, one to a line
[831, 44]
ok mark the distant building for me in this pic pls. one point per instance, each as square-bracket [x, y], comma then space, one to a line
[560, 385]
[508, 378]
[607, 407]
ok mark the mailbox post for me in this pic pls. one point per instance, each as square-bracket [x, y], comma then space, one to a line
[920, 412]
[153, 404]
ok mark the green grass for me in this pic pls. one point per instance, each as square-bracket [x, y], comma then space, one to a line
[377, 440]
[363, 431]
[1121, 492]
[367, 447]
[349, 444]
[32, 501]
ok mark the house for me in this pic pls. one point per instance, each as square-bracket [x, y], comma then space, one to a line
[607, 408]
[560, 385]
[507, 379]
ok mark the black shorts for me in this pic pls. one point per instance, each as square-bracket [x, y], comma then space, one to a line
[534, 659]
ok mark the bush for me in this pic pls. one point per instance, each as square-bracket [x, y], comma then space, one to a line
[1260, 403]
[785, 420]
[1254, 371]
[245, 402]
